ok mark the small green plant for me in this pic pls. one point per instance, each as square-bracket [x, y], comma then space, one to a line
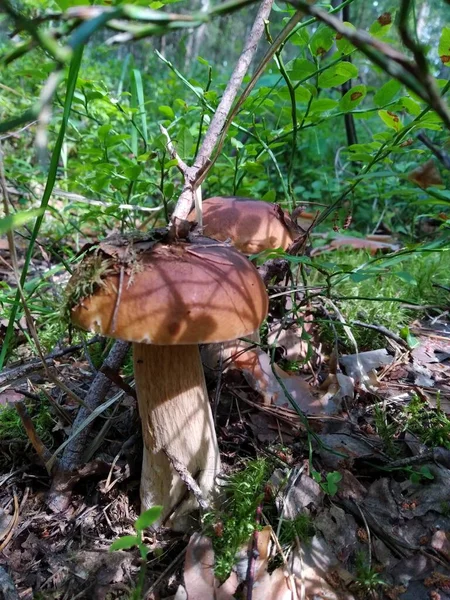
[367, 577]
[432, 427]
[126, 542]
[419, 476]
[302, 527]
[386, 430]
[234, 522]
[330, 484]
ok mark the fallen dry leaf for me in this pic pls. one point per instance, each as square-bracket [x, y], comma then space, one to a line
[11, 397]
[290, 340]
[199, 580]
[426, 175]
[371, 244]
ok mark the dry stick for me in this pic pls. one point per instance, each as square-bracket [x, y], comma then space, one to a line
[41, 450]
[9, 375]
[442, 156]
[73, 453]
[187, 479]
[384, 331]
[193, 174]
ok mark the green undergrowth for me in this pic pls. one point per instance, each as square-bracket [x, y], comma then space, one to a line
[377, 290]
[231, 525]
[11, 426]
[432, 427]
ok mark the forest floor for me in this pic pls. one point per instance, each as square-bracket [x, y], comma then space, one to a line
[365, 477]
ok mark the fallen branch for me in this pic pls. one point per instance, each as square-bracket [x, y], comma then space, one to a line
[9, 375]
[73, 453]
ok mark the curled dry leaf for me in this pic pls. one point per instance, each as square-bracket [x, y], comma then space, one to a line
[291, 339]
[372, 244]
[199, 580]
[426, 175]
[360, 366]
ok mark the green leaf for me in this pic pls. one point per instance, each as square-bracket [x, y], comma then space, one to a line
[333, 479]
[410, 105]
[184, 142]
[270, 196]
[103, 131]
[323, 104]
[300, 69]
[382, 25]
[352, 98]
[387, 92]
[316, 476]
[300, 38]
[425, 472]
[13, 221]
[138, 100]
[405, 276]
[444, 47]
[168, 190]
[115, 139]
[322, 40]
[236, 143]
[343, 45]
[148, 518]
[390, 119]
[337, 75]
[65, 4]
[167, 111]
[411, 340]
[124, 543]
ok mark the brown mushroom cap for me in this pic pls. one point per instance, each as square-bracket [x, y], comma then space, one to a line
[252, 225]
[173, 294]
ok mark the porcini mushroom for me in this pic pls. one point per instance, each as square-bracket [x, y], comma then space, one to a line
[167, 298]
[251, 225]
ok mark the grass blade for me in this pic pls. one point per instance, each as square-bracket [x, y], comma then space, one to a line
[52, 173]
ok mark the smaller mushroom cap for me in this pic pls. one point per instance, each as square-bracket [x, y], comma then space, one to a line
[252, 225]
[175, 293]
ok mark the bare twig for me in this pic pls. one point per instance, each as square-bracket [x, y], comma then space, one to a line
[253, 555]
[74, 450]
[440, 154]
[41, 450]
[384, 331]
[9, 375]
[187, 479]
[193, 174]
[8, 533]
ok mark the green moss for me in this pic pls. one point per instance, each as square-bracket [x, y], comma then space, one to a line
[232, 524]
[88, 276]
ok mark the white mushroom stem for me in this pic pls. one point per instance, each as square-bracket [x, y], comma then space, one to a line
[177, 422]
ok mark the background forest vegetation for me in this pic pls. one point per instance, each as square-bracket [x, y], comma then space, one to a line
[354, 141]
